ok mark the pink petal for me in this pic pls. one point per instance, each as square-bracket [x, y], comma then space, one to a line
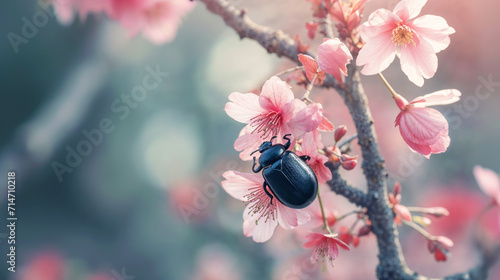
[422, 125]
[408, 9]
[263, 230]
[442, 143]
[333, 56]
[419, 62]
[342, 244]
[425, 150]
[286, 217]
[326, 125]
[305, 118]
[275, 94]
[379, 22]
[377, 54]
[289, 218]
[243, 106]
[442, 97]
[310, 66]
[488, 181]
[248, 227]
[238, 184]
[315, 239]
[434, 30]
[308, 146]
[333, 248]
[247, 143]
[324, 174]
[425, 132]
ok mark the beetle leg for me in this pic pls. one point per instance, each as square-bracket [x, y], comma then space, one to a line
[267, 192]
[305, 158]
[258, 168]
[287, 144]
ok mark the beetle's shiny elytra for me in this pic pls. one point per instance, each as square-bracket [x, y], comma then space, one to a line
[287, 175]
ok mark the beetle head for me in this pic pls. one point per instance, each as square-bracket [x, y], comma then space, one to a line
[264, 146]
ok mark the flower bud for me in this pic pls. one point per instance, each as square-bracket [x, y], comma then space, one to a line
[397, 188]
[340, 132]
[438, 212]
[423, 221]
[348, 163]
[364, 230]
[355, 241]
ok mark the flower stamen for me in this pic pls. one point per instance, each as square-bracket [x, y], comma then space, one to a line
[260, 205]
[402, 36]
[269, 123]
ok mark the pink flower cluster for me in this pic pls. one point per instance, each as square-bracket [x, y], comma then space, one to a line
[157, 19]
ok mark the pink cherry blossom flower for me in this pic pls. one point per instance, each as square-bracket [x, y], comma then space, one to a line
[326, 246]
[274, 113]
[333, 57]
[489, 182]
[157, 19]
[416, 40]
[260, 216]
[317, 161]
[425, 130]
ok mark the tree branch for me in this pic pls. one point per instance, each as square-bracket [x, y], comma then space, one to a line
[391, 261]
[341, 187]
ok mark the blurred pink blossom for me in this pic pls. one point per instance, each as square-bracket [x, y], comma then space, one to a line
[415, 40]
[44, 266]
[260, 216]
[333, 57]
[326, 246]
[215, 260]
[274, 112]
[489, 182]
[157, 19]
[425, 130]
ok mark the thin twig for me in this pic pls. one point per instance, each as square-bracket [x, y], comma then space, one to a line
[289, 70]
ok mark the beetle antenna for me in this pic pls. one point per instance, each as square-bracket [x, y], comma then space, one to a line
[274, 137]
[254, 152]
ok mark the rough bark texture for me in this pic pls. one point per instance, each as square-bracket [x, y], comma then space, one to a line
[391, 261]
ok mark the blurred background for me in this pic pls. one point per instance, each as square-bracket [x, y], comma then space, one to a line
[144, 199]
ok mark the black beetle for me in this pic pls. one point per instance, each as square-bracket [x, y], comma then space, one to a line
[287, 175]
